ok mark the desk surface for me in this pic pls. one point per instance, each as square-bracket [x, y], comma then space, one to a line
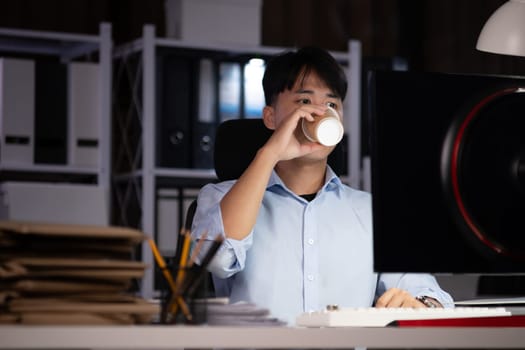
[176, 337]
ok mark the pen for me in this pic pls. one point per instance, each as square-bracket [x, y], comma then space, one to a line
[197, 249]
[192, 284]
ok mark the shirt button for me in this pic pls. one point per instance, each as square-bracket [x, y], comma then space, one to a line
[310, 277]
[311, 241]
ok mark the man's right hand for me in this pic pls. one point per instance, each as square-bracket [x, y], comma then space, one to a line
[288, 141]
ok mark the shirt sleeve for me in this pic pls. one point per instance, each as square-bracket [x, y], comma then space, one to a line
[417, 284]
[231, 256]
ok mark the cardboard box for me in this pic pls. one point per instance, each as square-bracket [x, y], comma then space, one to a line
[214, 21]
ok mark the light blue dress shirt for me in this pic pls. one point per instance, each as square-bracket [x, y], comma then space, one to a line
[300, 255]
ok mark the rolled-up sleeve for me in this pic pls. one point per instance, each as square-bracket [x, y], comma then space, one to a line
[417, 284]
[207, 221]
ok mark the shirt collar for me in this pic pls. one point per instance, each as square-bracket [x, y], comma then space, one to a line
[332, 181]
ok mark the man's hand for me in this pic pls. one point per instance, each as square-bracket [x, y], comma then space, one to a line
[396, 297]
[287, 141]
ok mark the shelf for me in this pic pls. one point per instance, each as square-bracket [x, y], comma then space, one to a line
[164, 177]
[68, 46]
[41, 168]
[65, 45]
[138, 45]
[174, 172]
[192, 173]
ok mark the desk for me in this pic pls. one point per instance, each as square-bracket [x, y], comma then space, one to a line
[177, 337]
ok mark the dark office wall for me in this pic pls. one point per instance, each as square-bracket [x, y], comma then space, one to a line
[432, 35]
[80, 16]
[84, 16]
[442, 35]
[329, 23]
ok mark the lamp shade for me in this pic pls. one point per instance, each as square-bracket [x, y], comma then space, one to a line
[504, 32]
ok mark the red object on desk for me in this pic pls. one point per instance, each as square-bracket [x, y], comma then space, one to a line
[493, 321]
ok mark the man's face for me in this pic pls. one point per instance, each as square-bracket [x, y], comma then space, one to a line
[308, 90]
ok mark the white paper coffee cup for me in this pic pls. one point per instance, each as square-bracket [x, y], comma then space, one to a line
[326, 129]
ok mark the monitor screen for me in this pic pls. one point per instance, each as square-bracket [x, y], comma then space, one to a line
[448, 172]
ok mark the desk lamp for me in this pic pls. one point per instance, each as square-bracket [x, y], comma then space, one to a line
[504, 32]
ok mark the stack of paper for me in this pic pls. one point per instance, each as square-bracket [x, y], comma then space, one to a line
[70, 274]
[220, 313]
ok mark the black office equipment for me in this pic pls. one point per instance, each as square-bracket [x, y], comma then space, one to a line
[368, 66]
[448, 155]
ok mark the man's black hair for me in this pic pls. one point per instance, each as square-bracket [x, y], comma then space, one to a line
[283, 71]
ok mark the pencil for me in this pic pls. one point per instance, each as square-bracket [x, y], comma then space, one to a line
[186, 242]
[183, 260]
[173, 287]
[162, 264]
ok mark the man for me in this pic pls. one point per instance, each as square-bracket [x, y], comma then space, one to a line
[297, 238]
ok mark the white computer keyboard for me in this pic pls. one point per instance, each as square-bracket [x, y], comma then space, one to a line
[380, 317]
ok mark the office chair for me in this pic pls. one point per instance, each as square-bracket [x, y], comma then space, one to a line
[236, 143]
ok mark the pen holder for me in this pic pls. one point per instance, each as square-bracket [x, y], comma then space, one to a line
[188, 304]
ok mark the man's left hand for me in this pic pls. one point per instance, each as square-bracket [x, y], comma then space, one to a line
[395, 297]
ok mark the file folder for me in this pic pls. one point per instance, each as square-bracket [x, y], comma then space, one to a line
[174, 111]
[84, 113]
[230, 87]
[205, 120]
[50, 112]
[17, 111]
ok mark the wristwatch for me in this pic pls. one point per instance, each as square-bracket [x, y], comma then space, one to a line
[428, 301]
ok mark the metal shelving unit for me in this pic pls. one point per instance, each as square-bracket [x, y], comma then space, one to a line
[135, 147]
[68, 47]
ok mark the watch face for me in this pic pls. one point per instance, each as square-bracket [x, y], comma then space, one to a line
[483, 172]
[430, 302]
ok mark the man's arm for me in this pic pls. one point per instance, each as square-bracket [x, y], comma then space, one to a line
[240, 206]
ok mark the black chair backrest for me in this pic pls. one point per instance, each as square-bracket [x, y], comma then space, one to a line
[236, 143]
[238, 140]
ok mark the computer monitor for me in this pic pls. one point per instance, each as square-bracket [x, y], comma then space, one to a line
[448, 172]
